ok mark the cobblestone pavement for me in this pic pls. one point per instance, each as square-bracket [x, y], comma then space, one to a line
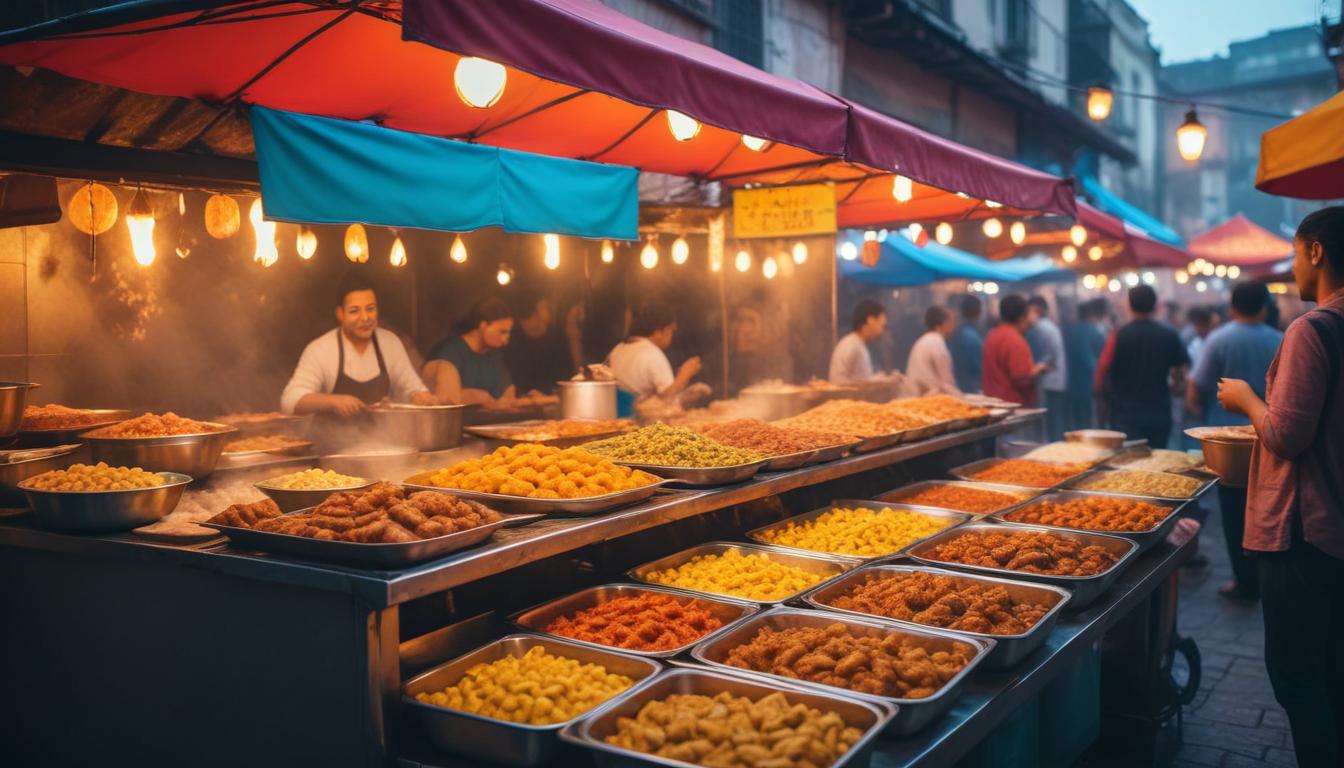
[1234, 721]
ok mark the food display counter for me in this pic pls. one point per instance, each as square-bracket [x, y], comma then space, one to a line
[275, 659]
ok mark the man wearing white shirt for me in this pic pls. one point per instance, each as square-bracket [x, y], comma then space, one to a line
[640, 362]
[355, 365]
[929, 370]
[851, 361]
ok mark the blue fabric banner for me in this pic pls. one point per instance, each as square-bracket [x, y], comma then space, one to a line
[326, 171]
[902, 263]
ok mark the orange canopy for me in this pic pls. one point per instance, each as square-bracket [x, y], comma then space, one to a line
[1304, 157]
[1242, 242]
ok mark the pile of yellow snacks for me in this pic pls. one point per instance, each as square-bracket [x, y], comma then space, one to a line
[671, 447]
[1141, 483]
[862, 532]
[753, 576]
[938, 407]
[313, 480]
[96, 477]
[728, 730]
[537, 471]
[536, 689]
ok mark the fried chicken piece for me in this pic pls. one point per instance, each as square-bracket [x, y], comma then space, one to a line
[247, 515]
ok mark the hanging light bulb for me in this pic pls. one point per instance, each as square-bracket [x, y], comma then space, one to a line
[992, 227]
[916, 234]
[1208, 269]
[356, 243]
[505, 275]
[608, 252]
[1195, 266]
[849, 251]
[1190, 137]
[1099, 101]
[1182, 277]
[479, 82]
[458, 252]
[799, 252]
[1149, 278]
[1069, 254]
[1114, 285]
[902, 188]
[266, 253]
[1234, 271]
[755, 144]
[742, 261]
[306, 242]
[552, 257]
[769, 269]
[991, 204]
[1201, 286]
[1017, 232]
[140, 221]
[221, 216]
[1089, 281]
[1220, 270]
[943, 233]
[648, 257]
[681, 251]
[683, 127]
[1131, 279]
[397, 256]
[1094, 253]
[1078, 235]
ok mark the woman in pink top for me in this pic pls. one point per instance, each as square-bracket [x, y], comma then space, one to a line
[1295, 506]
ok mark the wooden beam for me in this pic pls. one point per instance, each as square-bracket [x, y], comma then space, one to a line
[86, 160]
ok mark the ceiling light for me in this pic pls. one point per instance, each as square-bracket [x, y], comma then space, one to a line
[479, 82]
[140, 222]
[683, 127]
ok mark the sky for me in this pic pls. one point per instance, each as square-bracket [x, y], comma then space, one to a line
[1196, 29]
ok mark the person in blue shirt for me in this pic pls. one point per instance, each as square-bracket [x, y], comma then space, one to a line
[1083, 342]
[468, 367]
[1242, 349]
[967, 346]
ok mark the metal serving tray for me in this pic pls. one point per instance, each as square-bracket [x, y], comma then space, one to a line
[1085, 588]
[878, 442]
[899, 495]
[953, 517]
[501, 433]
[1205, 483]
[499, 741]
[828, 566]
[1123, 458]
[536, 618]
[967, 472]
[806, 458]
[371, 555]
[296, 448]
[525, 505]
[591, 732]
[43, 438]
[911, 714]
[1008, 649]
[701, 476]
[1144, 539]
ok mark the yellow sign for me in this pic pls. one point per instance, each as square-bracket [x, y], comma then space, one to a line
[807, 209]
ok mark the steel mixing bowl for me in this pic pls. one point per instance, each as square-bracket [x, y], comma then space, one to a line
[292, 499]
[13, 399]
[194, 454]
[1229, 459]
[14, 472]
[423, 427]
[104, 511]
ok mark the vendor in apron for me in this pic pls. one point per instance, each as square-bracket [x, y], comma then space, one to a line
[355, 365]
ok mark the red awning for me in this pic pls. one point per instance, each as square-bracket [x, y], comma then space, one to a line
[1242, 242]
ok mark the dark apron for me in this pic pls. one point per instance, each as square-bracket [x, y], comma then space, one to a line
[371, 391]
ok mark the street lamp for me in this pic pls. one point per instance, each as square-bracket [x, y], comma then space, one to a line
[1190, 137]
[1099, 101]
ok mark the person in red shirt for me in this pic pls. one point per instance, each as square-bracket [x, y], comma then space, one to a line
[1008, 370]
[1295, 501]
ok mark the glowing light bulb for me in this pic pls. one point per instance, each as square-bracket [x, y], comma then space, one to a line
[397, 256]
[1089, 282]
[943, 233]
[870, 235]
[902, 189]
[479, 82]
[356, 243]
[552, 257]
[1099, 101]
[1078, 235]
[992, 204]
[1182, 277]
[1190, 137]
[458, 252]
[769, 268]
[848, 251]
[799, 252]
[1195, 266]
[683, 127]
[992, 227]
[1149, 278]
[681, 251]
[266, 253]
[608, 252]
[306, 242]
[991, 288]
[140, 222]
[1017, 232]
[1220, 270]
[648, 257]
[1201, 286]
[1114, 285]
[1069, 254]
[1131, 279]
[1094, 253]
[742, 261]
[1234, 271]
[1208, 269]
[504, 276]
[755, 144]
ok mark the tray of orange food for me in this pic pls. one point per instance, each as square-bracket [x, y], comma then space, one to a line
[1024, 472]
[1144, 521]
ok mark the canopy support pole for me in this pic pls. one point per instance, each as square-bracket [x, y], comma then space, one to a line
[479, 132]
[593, 157]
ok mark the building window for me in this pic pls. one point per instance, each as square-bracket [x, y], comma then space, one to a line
[1013, 29]
[739, 30]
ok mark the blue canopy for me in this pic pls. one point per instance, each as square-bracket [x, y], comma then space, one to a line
[1126, 211]
[326, 171]
[902, 263]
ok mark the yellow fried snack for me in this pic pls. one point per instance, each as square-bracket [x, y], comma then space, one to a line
[862, 532]
[314, 480]
[753, 576]
[537, 688]
[96, 477]
[537, 471]
[671, 446]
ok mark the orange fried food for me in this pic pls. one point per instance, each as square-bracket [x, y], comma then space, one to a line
[246, 515]
[767, 438]
[963, 499]
[1036, 474]
[383, 514]
[263, 443]
[942, 601]
[154, 425]
[938, 407]
[867, 661]
[648, 621]
[1030, 551]
[1095, 513]
[855, 417]
[54, 416]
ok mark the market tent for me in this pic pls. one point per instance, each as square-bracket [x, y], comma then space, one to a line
[1304, 157]
[321, 170]
[1136, 217]
[1121, 244]
[1242, 242]
[903, 263]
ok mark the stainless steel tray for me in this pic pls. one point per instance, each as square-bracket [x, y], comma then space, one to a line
[806, 458]
[104, 511]
[296, 448]
[1085, 588]
[1205, 483]
[829, 566]
[371, 555]
[906, 491]
[911, 714]
[591, 732]
[1123, 458]
[501, 433]
[878, 442]
[41, 438]
[954, 518]
[1008, 649]
[297, 424]
[701, 476]
[967, 472]
[1144, 539]
[536, 618]
[499, 741]
[525, 505]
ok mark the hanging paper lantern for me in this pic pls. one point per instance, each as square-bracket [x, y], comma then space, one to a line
[872, 251]
[222, 217]
[356, 243]
[92, 209]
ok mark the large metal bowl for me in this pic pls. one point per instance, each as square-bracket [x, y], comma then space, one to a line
[1229, 459]
[37, 438]
[14, 472]
[103, 511]
[292, 499]
[424, 427]
[194, 454]
[13, 399]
